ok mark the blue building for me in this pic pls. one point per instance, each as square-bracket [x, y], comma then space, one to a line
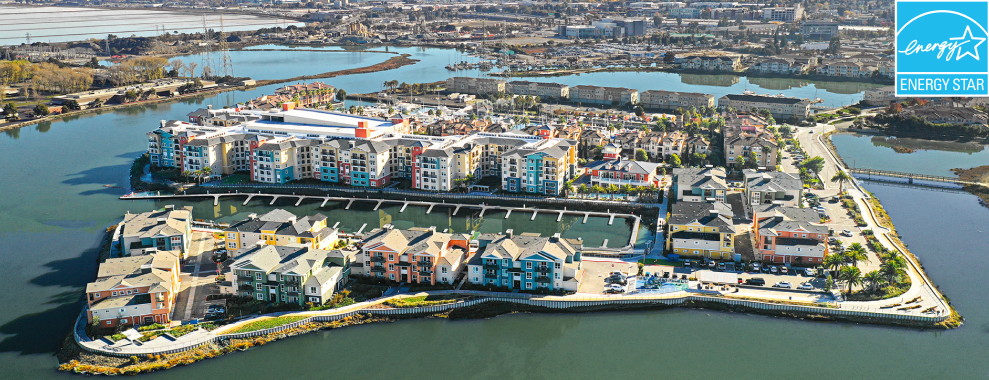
[526, 262]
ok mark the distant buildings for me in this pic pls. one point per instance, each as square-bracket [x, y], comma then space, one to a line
[782, 108]
[671, 100]
[718, 62]
[614, 96]
[784, 14]
[819, 30]
[475, 86]
[526, 262]
[540, 89]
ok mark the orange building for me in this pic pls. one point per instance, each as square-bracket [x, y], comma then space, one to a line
[135, 290]
[417, 255]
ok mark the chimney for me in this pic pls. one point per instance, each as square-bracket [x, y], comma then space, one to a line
[160, 220]
[510, 233]
[169, 207]
[252, 216]
[363, 130]
[288, 106]
[209, 106]
[388, 226]
[555, 238]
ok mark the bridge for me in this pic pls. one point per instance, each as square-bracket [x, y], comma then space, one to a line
[911, 177]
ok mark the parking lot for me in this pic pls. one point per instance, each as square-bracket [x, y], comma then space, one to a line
[595, 273]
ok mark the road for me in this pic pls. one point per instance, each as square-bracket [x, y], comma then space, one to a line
[197, 277]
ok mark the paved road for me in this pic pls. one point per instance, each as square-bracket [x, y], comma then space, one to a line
[197, 277]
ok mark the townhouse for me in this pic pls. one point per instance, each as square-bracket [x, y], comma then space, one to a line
[166, 229]
[289, 274]
[785, 234]
[671, 100]
[778, 65]
[526, 262]
[846, 68]
[782, 108]
[417, 255]
[134, 291]
[540, 89]
[475, 86]
[699, 184]
[613, 170]
[772, 187]
[280, 227]
[616, 96]
[701, 229]
[663, 144]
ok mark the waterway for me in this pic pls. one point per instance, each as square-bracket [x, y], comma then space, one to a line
[49, 24]
[910, 155]
[54, 206]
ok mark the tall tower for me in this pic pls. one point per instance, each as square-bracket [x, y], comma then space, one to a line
[228, 68]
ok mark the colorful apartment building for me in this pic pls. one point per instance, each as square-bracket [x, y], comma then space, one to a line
[134, 291]
[790, 235]
[613, 170]
[700, 184]
[280, 227]
[701, 229]
[526, 262]
[540, 168]
[417, 255]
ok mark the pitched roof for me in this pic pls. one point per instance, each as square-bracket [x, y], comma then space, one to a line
[164, 222]
[707, 214]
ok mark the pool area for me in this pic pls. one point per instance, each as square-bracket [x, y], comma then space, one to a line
[656, 283]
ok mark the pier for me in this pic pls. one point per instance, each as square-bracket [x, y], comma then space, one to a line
[484, 208]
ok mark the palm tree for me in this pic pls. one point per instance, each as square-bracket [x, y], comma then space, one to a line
[187, 174]
[892, 269]
[851, 276]
[206, 172]
[833, 262]
[567, 188]
[841, 177]
[874, 280]
[854, 254]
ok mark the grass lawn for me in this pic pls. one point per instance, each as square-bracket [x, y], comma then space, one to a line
[661, 262]
[267, 323]
[421, 301]
[236, 179]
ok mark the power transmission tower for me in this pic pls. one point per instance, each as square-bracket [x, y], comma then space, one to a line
[28, 36]
[207, 49]
[228, 66]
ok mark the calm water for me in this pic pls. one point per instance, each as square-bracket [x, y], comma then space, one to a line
[54, 206]
[926, 156]
[58, 24]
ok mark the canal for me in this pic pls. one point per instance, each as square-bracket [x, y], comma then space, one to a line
[55, 202]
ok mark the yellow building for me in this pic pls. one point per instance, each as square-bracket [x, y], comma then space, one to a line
[280, 227]
[701, 229]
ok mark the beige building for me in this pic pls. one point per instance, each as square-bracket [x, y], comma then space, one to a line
[671, 100]
[475, 86]
[542, 90]
[604, 95]
[782, 108]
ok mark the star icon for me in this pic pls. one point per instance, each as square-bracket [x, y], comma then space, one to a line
[967, 37]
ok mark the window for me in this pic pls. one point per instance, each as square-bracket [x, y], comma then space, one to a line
[257, 286]
[557, 265]
[312, 289]
[528, 275]
[260, 297]
[257, 276]
[109, 322]
[528, 265]
[114, 294]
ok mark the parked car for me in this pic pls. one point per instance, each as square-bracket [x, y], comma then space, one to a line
[810, 272]
[756, 281]
[774, 269]
[784, 270]
[756, 267]
[721, 266]
[806, 286]
[846, 233]
[711, 264]
[782, 284]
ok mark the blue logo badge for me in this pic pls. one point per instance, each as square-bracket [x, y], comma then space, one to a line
[941, 48]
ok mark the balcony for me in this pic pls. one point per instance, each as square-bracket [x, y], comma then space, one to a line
[246, 287]
[543, 279]
[490, 266]
[377, 259]
[543, 269]
[492, 275]
[425, 272]
[378, 269]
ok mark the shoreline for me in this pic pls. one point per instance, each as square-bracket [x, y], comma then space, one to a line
[389, 64]
[74, 358]
[674, 70]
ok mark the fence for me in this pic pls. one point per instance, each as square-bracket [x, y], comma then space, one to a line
[522, 299]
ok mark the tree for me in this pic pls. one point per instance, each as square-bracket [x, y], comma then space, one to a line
[851, 276]
[814, 164]
[567, 188]
[675, 160]
[892, 268]
[841, 177]
[834, 46]
[341, 95]
[206, 172]
[874, 280]
[854, 254]
[40, 110]
[641, 155]
[669, 57]
[833, 262]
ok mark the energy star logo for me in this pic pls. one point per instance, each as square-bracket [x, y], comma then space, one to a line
[941, 48]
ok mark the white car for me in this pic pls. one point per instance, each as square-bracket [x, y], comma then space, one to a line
[846, 233]
[806, 286]
[782, 284]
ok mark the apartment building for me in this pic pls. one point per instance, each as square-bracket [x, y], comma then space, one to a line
[134, 291]
[417, 255]
[712, 62]
[475, 86]
[526, 262]
[701, 229]
[819, 30]
[772, 188]
[671, 100]
[166, 229]
[782, 108]
[617, 96]
[784, 14]
[540, 89]
[287, 274]
[280, 227]
[785, 234]
[746, 136]
[699, 184]
[539, 168]
[613, 170]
